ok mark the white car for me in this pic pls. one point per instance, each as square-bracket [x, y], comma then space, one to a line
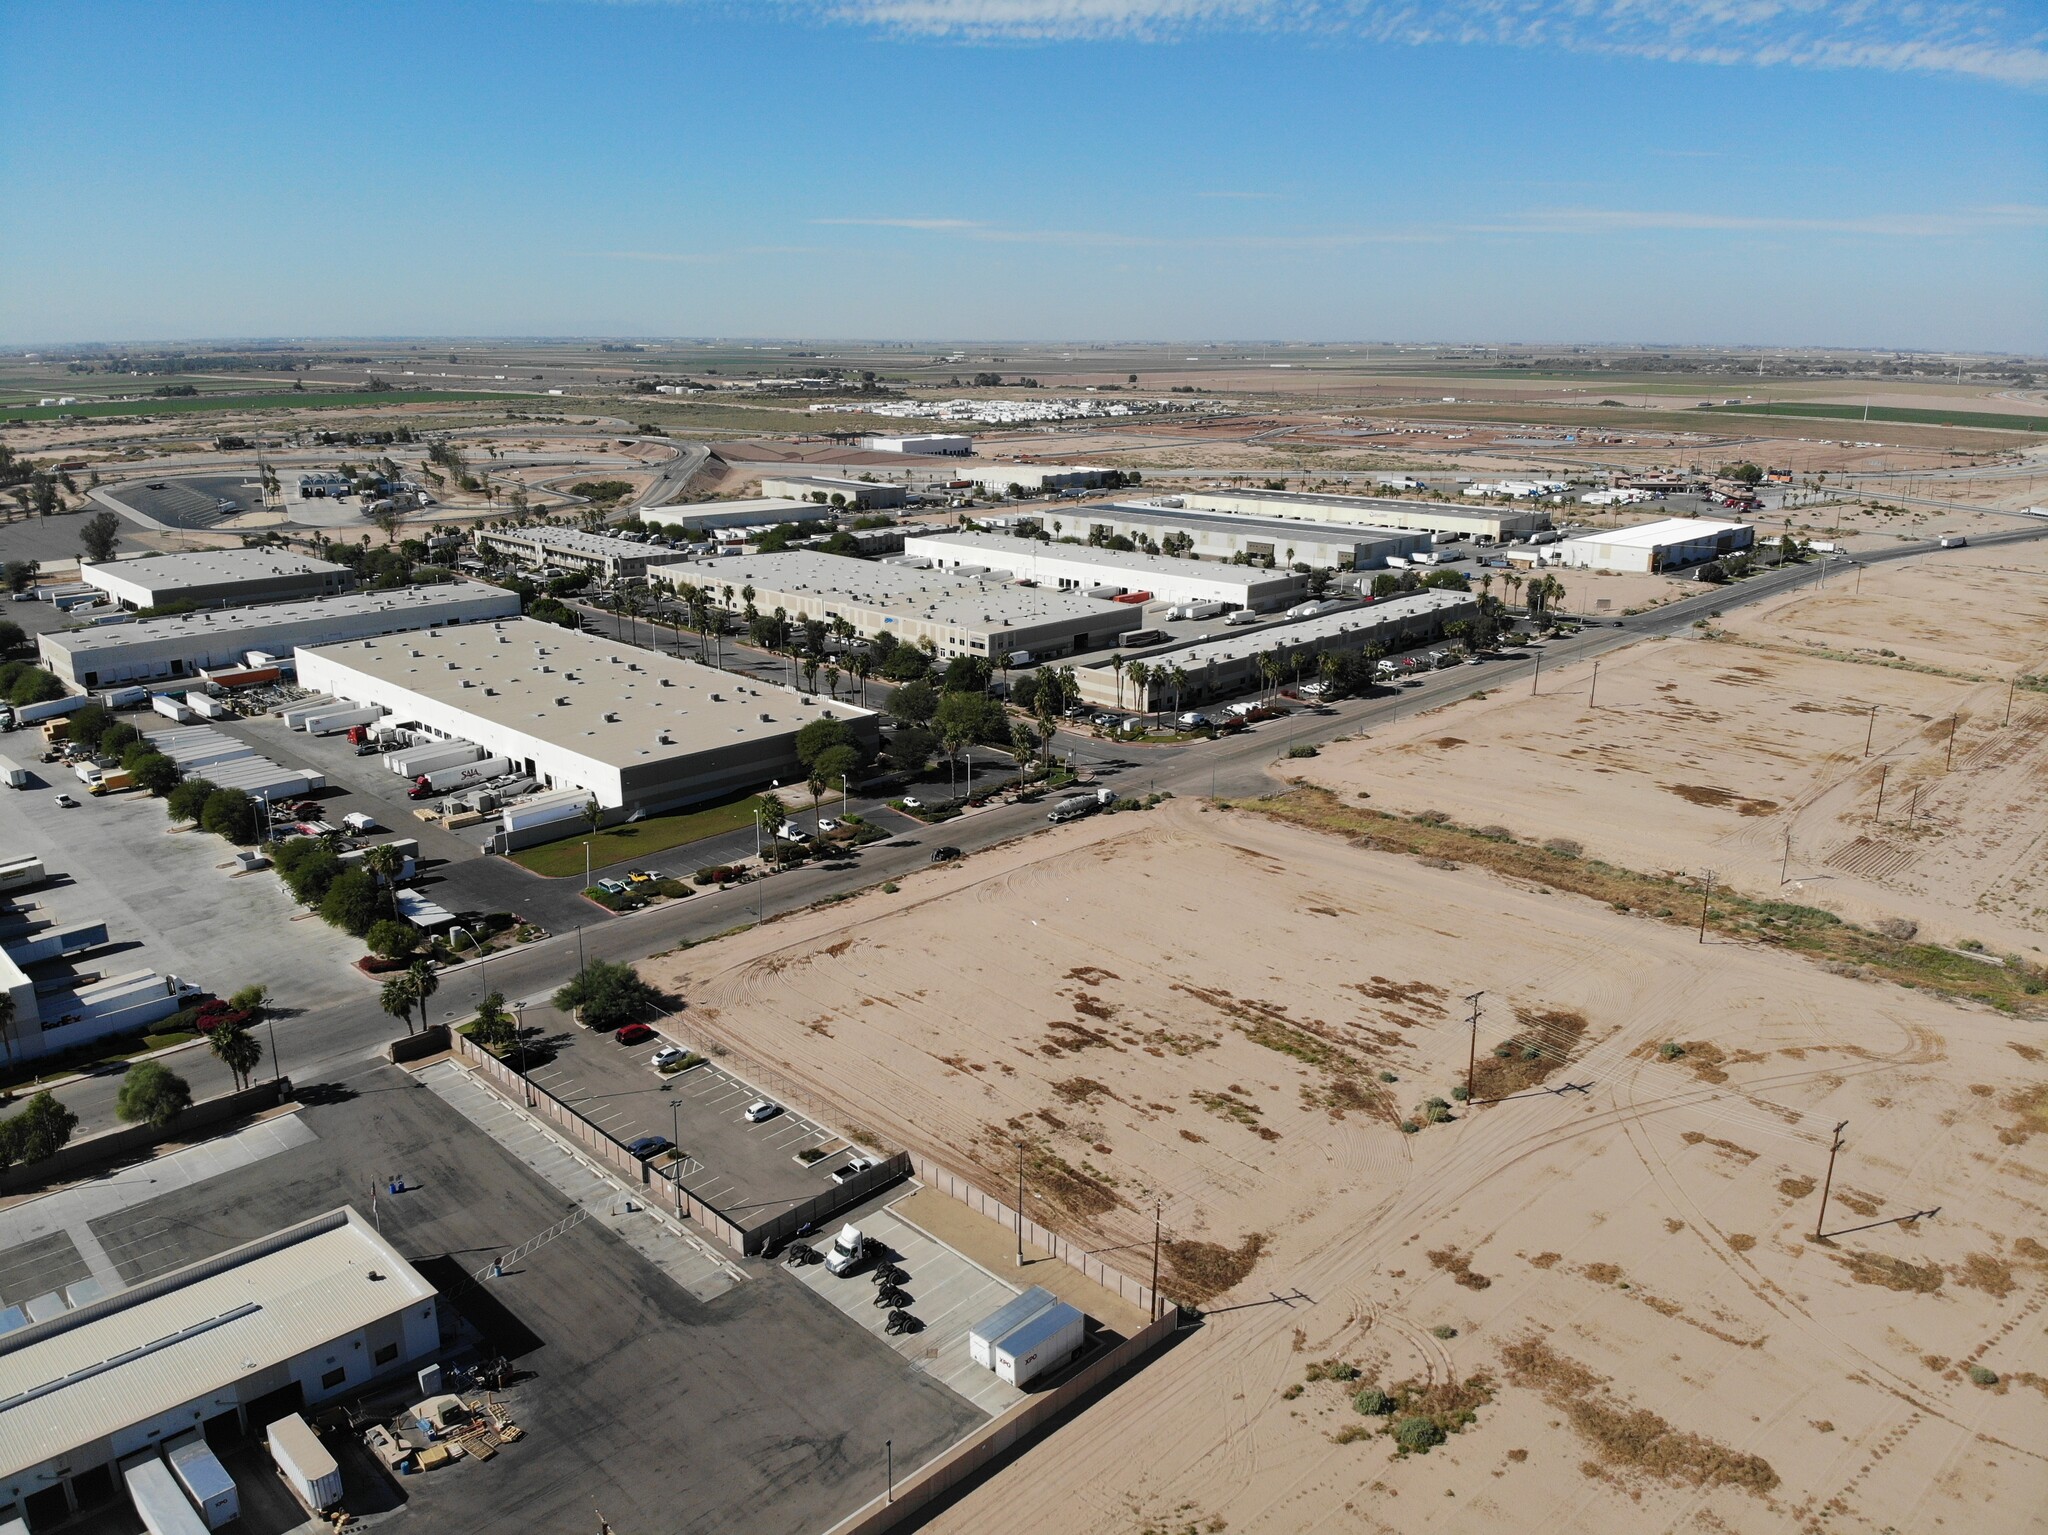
[828, 824]
[666, 1054]
[910, 802]
[761, 1109]
[66, 802]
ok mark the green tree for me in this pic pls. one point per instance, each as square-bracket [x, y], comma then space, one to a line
[424, 984]
[914, 703]
[236, 1047]
[822, 736]
[307, 865]
[188, 799]
[966, 674]
[152, 1094]
[609, 994]
[12, 636]
[99, 535]
[971, 717]
[231, 814]
[351, 902]
[41, 1129]
[398, 997]
[392, 940]
[386, 862]
[115, 739]
[495, 1028]
[156, 773]
[906, 663]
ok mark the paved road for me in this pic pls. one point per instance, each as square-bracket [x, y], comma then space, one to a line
[320, 1043]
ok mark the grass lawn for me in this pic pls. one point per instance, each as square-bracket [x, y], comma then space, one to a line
[279, 400]
[638, 839]
[1904, 414]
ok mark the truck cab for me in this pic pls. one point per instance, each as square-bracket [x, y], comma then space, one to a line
[848, 1251]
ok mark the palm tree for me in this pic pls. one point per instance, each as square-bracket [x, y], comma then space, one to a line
[832, 678]
[862, 665]
[1116, 667]
[1178, 677]
[386, 862]
[1328, 665]
[1141, 685]
[398, 997]
[237, 1049]
[424, 984]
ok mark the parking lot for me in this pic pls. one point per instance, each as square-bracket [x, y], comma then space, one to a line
[759, 1410]
[193, 502]
[747, 1171]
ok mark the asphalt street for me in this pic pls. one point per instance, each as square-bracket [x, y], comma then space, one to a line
[321, 1043]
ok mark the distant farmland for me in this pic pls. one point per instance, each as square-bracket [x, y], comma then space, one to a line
[276, 400]
[1906, 415]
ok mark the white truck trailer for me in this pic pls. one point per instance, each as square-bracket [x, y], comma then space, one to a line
[13, 774]
[415, 760]
[159, 1500]
[172, 708]
[204, 1478]
[334, 721]
[461, 776]
[984, 1335]
[1039, 1346]
[304, 1463]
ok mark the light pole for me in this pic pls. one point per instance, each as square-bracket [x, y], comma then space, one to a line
[1020, 1204]
[675, 1165]
[889, 1450]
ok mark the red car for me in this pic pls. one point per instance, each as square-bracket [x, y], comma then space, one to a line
[633, 1034]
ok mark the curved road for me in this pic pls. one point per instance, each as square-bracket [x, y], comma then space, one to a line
[316, 1044]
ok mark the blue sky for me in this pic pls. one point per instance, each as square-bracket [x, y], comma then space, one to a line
[1736, 171]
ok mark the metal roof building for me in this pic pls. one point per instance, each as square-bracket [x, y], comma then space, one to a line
[186, 644]
[1224, 535]
[807, 487]
[1668, 544]
[253, 1334]
[1489, 524]
[634, 729]
[571, 548]
[752, 512]
[960, 615]
[214, 577]
[1078, 567]
[1228, 663]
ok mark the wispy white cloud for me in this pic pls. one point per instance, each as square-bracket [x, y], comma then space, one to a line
[1985, 39]
[941, 225]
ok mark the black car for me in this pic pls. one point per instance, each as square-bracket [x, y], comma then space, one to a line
[649, 1146]
[945, 854]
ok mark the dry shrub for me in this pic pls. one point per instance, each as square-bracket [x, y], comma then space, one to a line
[1542, 1046]
[1564, 847]
[1981, 1271]
[1459, 1266]
[2031, 1250]
[1741, 1241]
[1080, 1090]
[1202, 1270]
[1631, 1437]
[1899, 928]
[1797, 1188]
[1602, 1273]
[1545, 1260]
[1892, 1273]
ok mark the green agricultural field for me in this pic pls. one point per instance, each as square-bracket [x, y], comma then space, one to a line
[638, 840]
[1902, 414]
[281, 399]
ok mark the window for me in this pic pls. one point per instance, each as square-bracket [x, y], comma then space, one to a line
[332, 1379]
[386, 1354]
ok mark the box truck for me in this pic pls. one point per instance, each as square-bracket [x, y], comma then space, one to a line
[1039, 1346]
[304, 1463]
[984, 1335]
[441, 780]
[204, 1478]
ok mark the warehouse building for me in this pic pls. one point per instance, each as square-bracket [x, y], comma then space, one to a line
[1226, 664]
[1080, 568]
[1482, 524]
[999, 479]
[157, 649]
[1222, 536]
[227, 1345]
[605, 557]
[754, 512]
[820, 490]
[1669, 544]
[928, 444]
[216, 578]
[632, 729]
[961, 616]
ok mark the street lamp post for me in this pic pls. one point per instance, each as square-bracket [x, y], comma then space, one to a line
[675, 1109]
[1020, 1204]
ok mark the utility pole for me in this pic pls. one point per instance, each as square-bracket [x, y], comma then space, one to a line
[889, 1451]
[1951, 762]
[1706, 891]
[1472, 1050]
[1869, 731]
[1593, 693]
[675, 1116]
[2010, 688]
[1536, 675]
[1155, 1262]
[1020, 1204]
[1785, 862]
[1882, 769]
[1820, 1218]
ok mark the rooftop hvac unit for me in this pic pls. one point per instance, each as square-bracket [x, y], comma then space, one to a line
[767, 718]
[610, 718]
[669, 682]
[561, 703]
[468, 682]
[717, 698]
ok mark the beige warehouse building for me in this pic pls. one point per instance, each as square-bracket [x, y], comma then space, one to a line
[214, 578]
[1482, 524]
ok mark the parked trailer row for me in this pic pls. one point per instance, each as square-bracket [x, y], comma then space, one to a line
[158, 1499]
[415, 760]
[442, 780]
[342, 717]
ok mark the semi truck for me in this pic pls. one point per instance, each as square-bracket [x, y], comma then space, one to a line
[125, 698]
[441, 780]
[1196, 610]
[337, 720]
[50, 708]
[1074, 806]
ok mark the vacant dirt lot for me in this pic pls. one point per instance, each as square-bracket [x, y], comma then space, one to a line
[1709, 752]
[1609, 1295]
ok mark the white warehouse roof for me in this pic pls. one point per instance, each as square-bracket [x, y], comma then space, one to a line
[1029, 557]
[943, 597]
[1664, 532]
[90, 1373]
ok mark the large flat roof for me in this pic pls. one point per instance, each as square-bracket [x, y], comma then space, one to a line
[998, 547]
[1666, 530]
[1254, 642]
[620, 700]
[574, 540]
[90, 1373]
[1229, 522]
[1380, 503]
[935, 595]
[211, 567]
[764, 505]
[235, 622]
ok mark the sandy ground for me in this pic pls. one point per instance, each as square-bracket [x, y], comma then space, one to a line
[1709, 753]
[1196, 1007]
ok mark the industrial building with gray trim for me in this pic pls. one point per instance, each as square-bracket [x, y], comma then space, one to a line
[1229, 536]
[216, 578]
[602, 555]
[186, 644]
[1079, 568]
[1482, 524]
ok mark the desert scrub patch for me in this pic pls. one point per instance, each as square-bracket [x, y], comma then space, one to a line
[1891, 1273]
[1203, 1270]
[1331, 1369]
[1459, 1266]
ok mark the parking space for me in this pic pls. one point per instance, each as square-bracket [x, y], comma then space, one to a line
[948, 1295]
[749, 1170]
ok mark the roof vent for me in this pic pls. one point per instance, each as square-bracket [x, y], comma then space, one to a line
[767, 718]
[611, 718]
[466, 682]
[718, 698]
[668, 682]
[561, 703]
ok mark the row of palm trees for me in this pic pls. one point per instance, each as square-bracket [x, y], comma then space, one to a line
[409, 989]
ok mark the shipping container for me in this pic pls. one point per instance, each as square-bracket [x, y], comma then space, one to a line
[1039, 1346]
[159, 1500]
[204, 1478]
[983, 1336]
[303, 1460]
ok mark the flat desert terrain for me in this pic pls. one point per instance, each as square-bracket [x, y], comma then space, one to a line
[1599, 1295]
